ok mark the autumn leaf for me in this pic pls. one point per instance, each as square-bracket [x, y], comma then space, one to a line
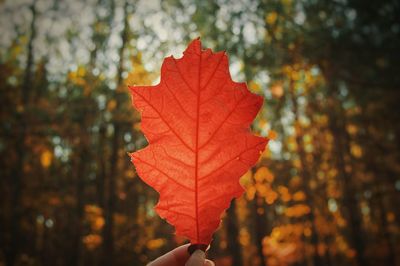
[196, 121]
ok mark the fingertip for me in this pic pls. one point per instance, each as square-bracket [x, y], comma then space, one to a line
[193, 247]
[197, 258]
[209, 263]
[178, 256]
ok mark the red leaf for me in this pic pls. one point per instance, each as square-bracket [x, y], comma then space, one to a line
[197, 123]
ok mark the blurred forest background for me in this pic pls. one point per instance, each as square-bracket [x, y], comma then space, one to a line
[325, 192]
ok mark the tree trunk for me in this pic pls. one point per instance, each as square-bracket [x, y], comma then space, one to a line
[341, 149]
[260, 223]
[108, 232]
[306, 175]
[391, 257]
[101, 168]
[80, 186]
[20, 149]
[233, 235]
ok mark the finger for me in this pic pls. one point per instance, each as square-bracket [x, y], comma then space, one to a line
[176, 257]
[209, 263]
[197, 259]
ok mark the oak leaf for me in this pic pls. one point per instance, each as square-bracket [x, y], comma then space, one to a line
[196, 121]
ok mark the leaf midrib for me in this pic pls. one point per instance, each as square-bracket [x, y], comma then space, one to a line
[196, 167]
[197, 150]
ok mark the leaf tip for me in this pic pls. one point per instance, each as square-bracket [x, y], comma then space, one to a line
[194, 46]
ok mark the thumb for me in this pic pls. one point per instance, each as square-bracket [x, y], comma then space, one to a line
[197, 259]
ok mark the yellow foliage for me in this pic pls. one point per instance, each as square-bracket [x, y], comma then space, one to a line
[129, 173]
[307, 232]
[251, 192]
[241, 209]
[265, 154]
[332, 190]
[262, 123]
[295, 181]
[92, 241]
[297, 210]
[342, 244]
[138, 75]
[244, 237]
[277, 90]
[46, 158]
[262, 189]
[94, 216]
[254, 86]
[264, 174]
[356, 150]
[81, 71]
[93, 209]
[307, 138]
[323, 119]
[295, 75]
[286, 69]
[291, 142]
[313, 184]
[155, 243]
[16, 50]
[332, 172]
[287, 2]
[296, 163]
[272, 135]
[137, 126]
[299, 196]
[271, 197]
[284, 245]
[352, 129]
[111, 104]
[98, 223]
[77, 77]
[298, 128]
[390, 216]
[285, 195]
[271, 17]
[245, 180]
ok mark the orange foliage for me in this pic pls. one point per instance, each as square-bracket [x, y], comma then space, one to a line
[284, 245]
[92, 241]
[297, 210]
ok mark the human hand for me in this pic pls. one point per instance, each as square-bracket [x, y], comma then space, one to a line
[181, 257]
